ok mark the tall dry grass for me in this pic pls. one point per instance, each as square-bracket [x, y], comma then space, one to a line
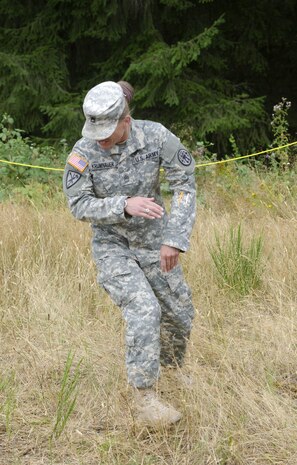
[242, 408]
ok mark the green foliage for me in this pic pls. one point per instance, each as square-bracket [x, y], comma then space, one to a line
[162, 65]
[31, 79]
[280, 128]
[189, 66]
[18, 151]
[178, 4]
[235, 149]
[67, 395]
[171, 78]
[66, 115]
[239, 268]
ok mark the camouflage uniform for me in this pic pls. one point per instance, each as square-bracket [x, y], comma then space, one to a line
[156, 306]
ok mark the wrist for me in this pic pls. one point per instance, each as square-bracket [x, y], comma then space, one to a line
[127, 215]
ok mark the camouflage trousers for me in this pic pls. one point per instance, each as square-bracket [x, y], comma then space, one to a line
[158, 312]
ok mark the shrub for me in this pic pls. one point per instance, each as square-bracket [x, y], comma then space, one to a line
[238, 267]
[17, 150]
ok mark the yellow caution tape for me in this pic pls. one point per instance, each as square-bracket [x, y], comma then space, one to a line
[31, 166]
[197, 166]
[246, 156]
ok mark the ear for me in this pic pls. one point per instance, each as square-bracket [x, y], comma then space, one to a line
[127, 119]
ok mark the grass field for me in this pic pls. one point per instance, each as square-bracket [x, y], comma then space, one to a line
[63, 392]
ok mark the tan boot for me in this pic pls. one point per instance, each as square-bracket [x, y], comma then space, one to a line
[152, 412]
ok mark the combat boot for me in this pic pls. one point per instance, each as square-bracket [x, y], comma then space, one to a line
[152, 412]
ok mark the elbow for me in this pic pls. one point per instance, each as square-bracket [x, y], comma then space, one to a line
[77, 209]
[78, 213]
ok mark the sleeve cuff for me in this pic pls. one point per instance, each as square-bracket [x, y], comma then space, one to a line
[118, 208]
[181, 245]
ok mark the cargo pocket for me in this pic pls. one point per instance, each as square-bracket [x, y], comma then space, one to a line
[117, 283]
[177, 284]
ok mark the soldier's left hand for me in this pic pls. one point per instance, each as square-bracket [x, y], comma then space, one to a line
[169, 257]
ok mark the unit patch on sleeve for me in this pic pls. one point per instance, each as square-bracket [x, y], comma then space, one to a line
[184, 157]
[77, 162]
[72, 178]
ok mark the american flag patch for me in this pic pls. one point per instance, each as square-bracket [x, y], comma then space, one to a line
[77, 162]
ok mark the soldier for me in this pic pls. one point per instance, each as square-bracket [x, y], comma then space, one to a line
[111, 180]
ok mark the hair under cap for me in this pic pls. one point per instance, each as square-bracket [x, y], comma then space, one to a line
[103, 106]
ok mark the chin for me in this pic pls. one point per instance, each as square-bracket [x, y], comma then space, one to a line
[106, 146]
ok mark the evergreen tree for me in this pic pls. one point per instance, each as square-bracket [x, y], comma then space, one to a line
[203, 65]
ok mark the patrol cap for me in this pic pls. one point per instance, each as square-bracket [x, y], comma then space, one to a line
[103, 106]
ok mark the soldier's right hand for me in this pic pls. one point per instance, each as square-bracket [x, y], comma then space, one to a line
[145, 207]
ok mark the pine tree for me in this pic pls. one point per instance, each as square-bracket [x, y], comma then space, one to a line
[202, 64]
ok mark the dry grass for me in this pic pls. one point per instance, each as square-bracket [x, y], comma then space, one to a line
[242, 409]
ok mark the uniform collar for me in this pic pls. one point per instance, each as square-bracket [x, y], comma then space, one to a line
[135, 141]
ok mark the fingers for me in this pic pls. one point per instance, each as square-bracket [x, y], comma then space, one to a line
[173, 262]
[168, 258]
[168, 263]
[145, 207]
[163, 264]
[152, 210]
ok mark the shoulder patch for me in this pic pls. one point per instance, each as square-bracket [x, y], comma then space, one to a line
[77, 162]
[72, 178]
[184, 157]
[170, 148]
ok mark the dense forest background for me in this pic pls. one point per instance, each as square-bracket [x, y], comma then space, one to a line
[204, 68]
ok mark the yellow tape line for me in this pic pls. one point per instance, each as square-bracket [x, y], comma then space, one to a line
[246, 156]
[31, 166]
[197, 166]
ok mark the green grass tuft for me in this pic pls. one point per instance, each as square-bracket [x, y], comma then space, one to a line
[239, 267]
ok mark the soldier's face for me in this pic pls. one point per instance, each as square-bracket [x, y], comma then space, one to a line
[119, 136]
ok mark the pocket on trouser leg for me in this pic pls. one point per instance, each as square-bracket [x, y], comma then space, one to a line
[176, 282]
[117, 283]
[180, 289]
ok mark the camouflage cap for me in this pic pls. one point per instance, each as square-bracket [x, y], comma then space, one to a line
[103, 106]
